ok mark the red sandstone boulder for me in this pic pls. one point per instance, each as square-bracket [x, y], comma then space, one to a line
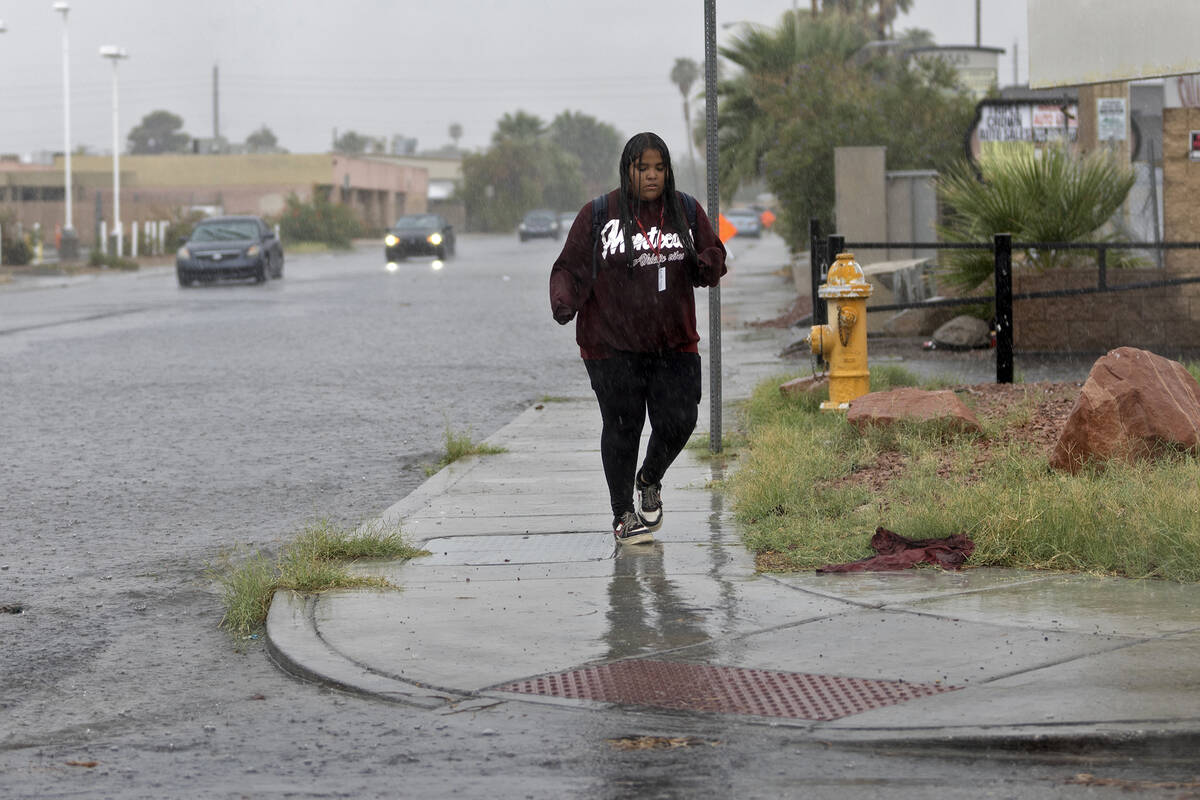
[912, 405]
[1133, 405]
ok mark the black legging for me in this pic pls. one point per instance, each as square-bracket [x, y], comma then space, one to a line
[627, 386]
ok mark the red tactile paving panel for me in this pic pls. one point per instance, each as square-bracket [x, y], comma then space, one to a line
[729, 690]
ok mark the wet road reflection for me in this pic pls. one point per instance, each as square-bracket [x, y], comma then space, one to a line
[649, 611]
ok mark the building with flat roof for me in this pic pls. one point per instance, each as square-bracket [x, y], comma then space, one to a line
[153, 187]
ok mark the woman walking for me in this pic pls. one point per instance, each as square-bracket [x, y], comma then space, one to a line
[628, 269]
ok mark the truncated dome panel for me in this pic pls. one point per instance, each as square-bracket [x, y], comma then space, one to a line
[730, 690]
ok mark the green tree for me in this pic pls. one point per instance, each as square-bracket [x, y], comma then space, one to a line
[262, 141]
[1053, 196]
[518, 127]
[500, 185]
[805, 88]
[523, 169]
[456, 132]
[915, 37]
[596, 145]
[878, 16]
[561, 177]
[353, 143]
[683, 75]
[159, 132]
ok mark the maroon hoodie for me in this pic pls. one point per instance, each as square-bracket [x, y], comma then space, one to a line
[640, 309]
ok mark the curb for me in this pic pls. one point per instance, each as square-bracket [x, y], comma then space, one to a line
[294, 645]
[1127, 741]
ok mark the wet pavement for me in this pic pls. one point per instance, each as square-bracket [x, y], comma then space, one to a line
[525, 599]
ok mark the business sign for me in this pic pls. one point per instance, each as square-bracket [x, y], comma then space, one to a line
[1027, 122]
[1110, 119]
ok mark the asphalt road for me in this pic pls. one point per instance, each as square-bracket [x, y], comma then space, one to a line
[148, 431]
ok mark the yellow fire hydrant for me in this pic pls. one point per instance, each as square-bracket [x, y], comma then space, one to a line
[843, 342]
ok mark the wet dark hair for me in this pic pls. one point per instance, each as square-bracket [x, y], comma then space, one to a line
[634, 148]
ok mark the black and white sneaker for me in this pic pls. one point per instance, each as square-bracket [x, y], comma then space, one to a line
[649, 504]
[628, 529]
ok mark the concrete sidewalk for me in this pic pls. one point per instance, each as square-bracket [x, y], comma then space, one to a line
[525, 598]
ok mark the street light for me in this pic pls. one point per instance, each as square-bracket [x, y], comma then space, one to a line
[115, 54]
[68, 246]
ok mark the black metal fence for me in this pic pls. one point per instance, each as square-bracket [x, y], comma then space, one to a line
[822, 252]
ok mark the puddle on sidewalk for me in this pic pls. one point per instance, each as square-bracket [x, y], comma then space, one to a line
[532, 548]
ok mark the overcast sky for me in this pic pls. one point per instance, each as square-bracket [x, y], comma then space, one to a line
[384, 67]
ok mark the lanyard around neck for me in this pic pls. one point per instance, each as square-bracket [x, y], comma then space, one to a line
[656, 245]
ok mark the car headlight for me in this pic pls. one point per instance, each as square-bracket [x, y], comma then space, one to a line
[252, 250]
[391, 240]
[183, 252]
[435, 239]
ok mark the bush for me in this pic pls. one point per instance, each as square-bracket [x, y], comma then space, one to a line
[1054, 197]
[180, 226]
[17, 252]
[110, 260]
[318, 221]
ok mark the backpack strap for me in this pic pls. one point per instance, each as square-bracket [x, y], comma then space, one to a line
[689, 208]
[599, 217]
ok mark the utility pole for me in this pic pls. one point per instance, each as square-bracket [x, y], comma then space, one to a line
[68, 245]
[978, 26]
[216, 107]
[714, 211]
[115, 55]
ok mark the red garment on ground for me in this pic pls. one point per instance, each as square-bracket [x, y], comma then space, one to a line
[898, 552]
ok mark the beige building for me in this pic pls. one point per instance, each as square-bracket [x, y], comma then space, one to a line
[445, 179]
[160, 186]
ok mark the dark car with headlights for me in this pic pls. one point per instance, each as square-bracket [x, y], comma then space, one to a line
[419, 235]
[230, 247]
[539, 223]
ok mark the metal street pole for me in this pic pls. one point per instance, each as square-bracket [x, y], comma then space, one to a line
[714, 212]
[3, 28]
[68, 247]
[115, 54]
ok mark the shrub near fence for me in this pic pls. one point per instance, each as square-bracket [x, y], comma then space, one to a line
[318, 221]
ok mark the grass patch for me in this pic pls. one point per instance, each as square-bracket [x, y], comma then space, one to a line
[799, 495]
[553, 398]
[731, 443]
[309, 248]
[460, 445]
[111, 261]
[315, 561]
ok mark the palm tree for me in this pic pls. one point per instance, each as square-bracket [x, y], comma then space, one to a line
[878, 16]
[684, 74]
[772, 62]
[456, 132]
